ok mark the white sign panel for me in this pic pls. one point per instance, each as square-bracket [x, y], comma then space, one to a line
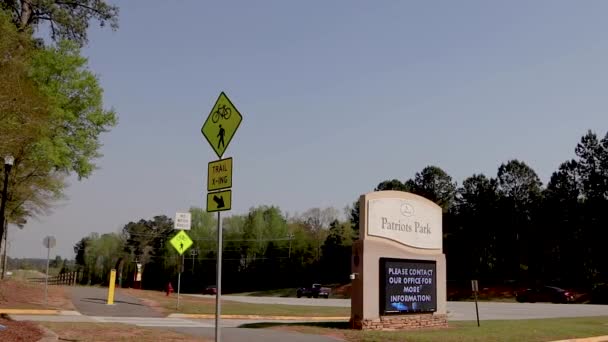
[415, 223]
[182, 221]
[49, 242]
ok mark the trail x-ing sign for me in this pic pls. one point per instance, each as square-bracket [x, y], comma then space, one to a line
[219, 175]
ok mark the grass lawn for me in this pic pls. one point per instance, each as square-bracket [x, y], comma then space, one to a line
[461, 331]
[196, 305]
[108, 332]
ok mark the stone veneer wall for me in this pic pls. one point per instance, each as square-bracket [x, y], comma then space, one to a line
[403, 322]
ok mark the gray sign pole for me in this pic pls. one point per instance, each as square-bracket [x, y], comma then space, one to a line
[46, 280]
[48, 242]
[475, 287]
[218, 295]
[179, 279]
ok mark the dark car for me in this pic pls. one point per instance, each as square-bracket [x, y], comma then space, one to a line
[210, 290]
[545, 294]
[315, 291]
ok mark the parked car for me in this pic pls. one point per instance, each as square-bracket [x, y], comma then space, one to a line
[315, 291]
[210, 290]
[545, 294]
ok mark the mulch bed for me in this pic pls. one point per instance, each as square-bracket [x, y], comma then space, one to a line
[19, 331]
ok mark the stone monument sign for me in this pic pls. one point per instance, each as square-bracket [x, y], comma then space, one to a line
[398, 265]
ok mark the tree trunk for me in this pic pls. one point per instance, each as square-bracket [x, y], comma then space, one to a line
[26, 13]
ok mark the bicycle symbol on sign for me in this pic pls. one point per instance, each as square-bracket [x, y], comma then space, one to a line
[223, 112]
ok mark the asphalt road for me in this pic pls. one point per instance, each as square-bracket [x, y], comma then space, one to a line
[458, 311]
[465, 311]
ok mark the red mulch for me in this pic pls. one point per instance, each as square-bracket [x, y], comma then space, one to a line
[19, 331]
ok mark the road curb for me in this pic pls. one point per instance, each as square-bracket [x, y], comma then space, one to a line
[587, 339]
[46, 312]
[29, 312]
[259, 317]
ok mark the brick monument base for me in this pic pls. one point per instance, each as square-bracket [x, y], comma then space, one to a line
[402, 322]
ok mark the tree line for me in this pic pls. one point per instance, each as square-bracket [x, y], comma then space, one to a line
[264, 248]
[506, 228]
[513, 228]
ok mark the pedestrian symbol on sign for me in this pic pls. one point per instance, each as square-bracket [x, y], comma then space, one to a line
[221, 136]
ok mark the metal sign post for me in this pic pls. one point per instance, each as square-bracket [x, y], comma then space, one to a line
[218, 294]
[48, 242]
[219, 128]
[475, 288]
[179, 280]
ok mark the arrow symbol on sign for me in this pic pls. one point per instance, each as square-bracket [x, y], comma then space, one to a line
[219, 200]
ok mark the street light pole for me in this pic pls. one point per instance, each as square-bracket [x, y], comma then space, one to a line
[8, 164]
[290, 236]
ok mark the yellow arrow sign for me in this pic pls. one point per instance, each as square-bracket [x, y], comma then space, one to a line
[181, 242]
[219, 174]
[219, 201]
[221, 124]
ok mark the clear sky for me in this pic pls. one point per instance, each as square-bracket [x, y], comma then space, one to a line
[336, 96]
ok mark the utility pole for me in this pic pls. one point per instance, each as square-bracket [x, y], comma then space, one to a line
[290, 236]
[193, 253]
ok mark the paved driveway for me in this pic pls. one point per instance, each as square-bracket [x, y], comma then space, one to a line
[91, 301]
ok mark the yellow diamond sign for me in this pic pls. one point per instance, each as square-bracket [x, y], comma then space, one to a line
[181, 242]
[221, 124]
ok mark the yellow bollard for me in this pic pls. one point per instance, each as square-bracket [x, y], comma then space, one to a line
[111, 288]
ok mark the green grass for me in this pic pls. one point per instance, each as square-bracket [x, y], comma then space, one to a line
[514, 330]
[236, 308]
[25, 274]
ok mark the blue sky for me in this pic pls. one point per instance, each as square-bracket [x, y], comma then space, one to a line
[336, 97]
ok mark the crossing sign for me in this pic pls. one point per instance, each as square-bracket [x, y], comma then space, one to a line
[219, 174]
[181, 242]
[221, 124]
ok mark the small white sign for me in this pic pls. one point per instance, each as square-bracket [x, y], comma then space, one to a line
[49, 242]
[182, 221]
[415, 223]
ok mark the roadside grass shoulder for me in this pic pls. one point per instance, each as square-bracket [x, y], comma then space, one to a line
[462, 331]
